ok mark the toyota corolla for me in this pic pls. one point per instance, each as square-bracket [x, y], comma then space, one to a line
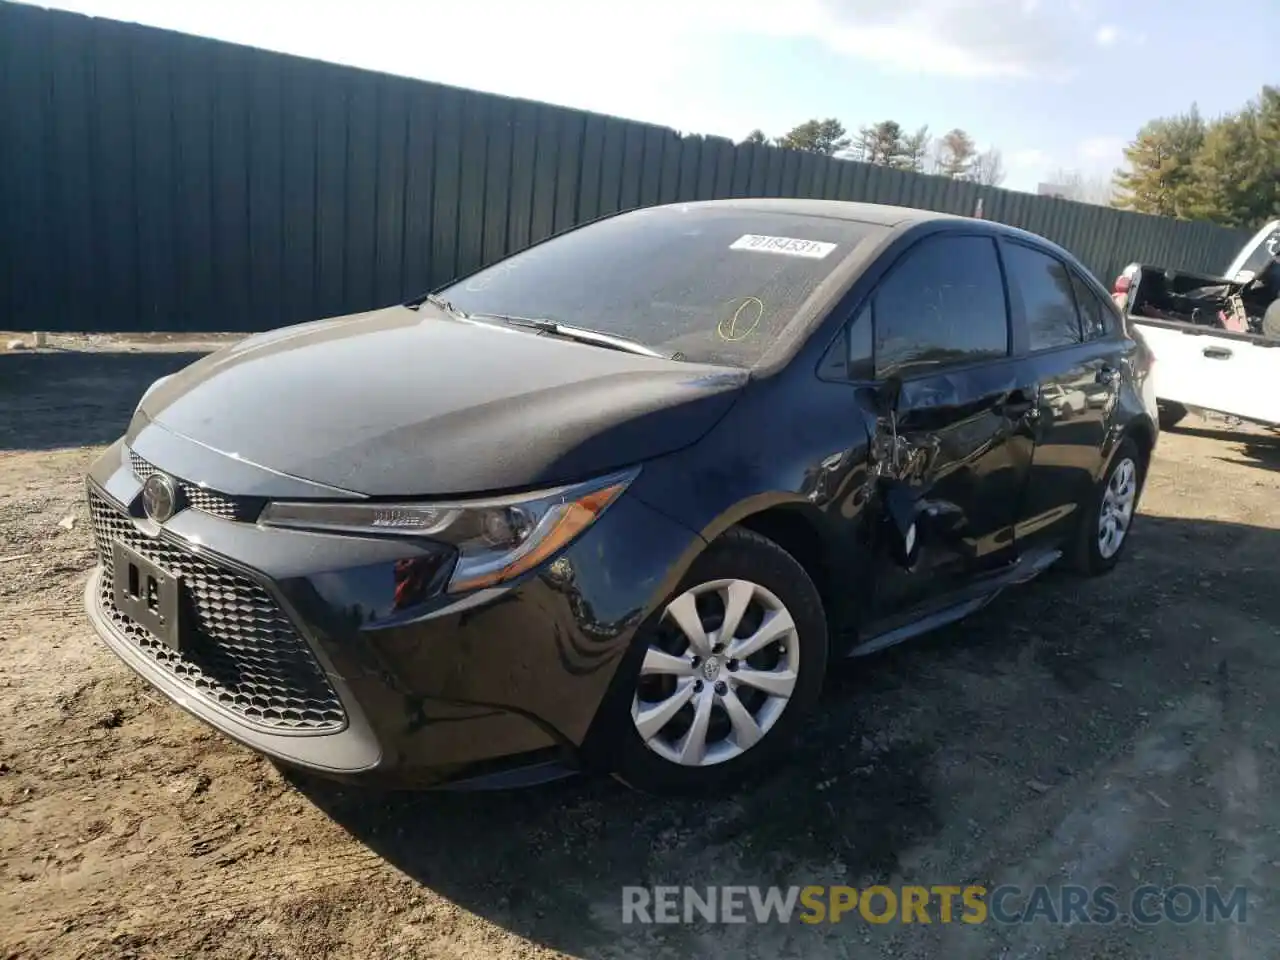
[616, 502]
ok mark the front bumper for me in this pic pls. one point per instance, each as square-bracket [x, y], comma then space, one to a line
[307, 648]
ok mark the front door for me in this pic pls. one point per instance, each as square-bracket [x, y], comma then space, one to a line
[941, 326]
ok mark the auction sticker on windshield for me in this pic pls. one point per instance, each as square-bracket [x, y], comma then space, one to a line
[787, 246]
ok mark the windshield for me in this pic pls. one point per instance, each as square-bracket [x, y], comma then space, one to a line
[714, 285]
[1266, 248]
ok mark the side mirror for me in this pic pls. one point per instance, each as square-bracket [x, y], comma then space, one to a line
[887, 396]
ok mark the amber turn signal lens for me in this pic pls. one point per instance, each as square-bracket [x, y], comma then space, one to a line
[562, 524]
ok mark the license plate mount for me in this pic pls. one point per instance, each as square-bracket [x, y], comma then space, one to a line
[148, 594]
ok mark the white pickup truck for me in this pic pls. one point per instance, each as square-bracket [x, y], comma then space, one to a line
[1216, 340]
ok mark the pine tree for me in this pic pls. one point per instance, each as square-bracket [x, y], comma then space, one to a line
[817, 136]
[1161, 178]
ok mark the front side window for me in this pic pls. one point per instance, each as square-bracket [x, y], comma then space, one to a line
[1045, 285]
[943, 305]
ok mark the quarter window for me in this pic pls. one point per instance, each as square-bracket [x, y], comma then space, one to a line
[849, 357]
[943, 305]
[859, 345]
[1093, 312]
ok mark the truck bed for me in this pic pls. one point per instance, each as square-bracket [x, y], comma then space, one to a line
[1180, 297]
[1205, 335]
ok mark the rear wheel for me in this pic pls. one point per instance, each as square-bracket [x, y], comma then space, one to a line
[1271, 321]
[726, 674]
[1109, 514]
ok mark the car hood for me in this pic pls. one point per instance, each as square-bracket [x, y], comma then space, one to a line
[413, 402]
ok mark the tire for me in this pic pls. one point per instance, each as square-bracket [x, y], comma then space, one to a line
[1091, 556]
[1271, 321]
[1171, 414]
[672, 695]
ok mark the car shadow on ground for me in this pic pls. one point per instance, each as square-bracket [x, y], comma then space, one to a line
[1256, 449]
[930, 745]
[34, 389]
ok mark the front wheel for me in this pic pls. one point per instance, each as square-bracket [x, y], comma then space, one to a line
[727, 673]
[1109, 513]
[1171, 414]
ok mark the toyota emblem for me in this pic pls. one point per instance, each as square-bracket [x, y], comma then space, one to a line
[159, 497]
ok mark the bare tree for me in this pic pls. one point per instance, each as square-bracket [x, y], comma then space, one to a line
[987, 168]
[954, 153]
[756, 136]
[1085, 188]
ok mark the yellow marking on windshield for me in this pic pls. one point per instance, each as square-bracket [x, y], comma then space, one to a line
[744, 321]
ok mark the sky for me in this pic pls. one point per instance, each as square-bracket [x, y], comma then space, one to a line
[1053, 84]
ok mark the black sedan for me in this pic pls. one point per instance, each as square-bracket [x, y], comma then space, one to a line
[617, 501]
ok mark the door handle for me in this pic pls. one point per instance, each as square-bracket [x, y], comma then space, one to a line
[1217, 353]
[1108, 376]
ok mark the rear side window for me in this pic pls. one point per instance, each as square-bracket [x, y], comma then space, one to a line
[1093, 312]
[1045, 284]
[943, 305]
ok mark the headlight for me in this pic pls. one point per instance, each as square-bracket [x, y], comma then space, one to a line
[497, 539]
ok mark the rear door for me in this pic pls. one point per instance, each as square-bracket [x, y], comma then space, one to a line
[1075, 354]
[941, 324]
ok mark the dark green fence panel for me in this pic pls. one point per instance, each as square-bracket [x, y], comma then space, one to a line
[155, 181]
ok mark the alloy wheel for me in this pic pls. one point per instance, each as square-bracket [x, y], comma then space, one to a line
[1118, 500]
[717, 674]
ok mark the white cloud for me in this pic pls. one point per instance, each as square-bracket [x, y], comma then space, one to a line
[1106, 150]
[1027, 158]
[965, 38]
[1025, 167]
[1106, 35]
[1092, 159]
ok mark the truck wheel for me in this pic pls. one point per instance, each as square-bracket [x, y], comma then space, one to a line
[1171, 414]
[1271, 321]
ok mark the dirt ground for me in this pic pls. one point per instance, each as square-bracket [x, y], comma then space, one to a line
[1122, 730]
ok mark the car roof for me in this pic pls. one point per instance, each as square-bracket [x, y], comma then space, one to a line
[895, 219]
[880, 214]
[894, 223]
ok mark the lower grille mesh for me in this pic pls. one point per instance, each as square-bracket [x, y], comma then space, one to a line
[244, 653]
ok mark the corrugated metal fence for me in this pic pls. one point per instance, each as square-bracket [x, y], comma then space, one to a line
[155, 181]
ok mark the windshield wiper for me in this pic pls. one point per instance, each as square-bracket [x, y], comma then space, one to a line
[580, 334]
